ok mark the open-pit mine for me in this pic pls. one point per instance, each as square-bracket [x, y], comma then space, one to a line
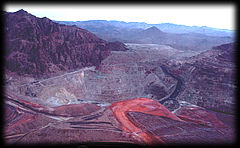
[91, 90]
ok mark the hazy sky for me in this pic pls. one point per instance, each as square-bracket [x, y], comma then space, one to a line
[218, 16]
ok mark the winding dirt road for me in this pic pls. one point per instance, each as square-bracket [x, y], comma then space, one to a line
[177, 89]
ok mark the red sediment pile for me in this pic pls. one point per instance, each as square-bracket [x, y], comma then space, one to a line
[144, 105]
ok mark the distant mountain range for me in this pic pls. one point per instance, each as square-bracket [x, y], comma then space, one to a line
[178, 36]
[39, 47]
[165, 27]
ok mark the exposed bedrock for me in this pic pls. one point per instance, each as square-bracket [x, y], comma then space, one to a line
[209, 78]
[115, 79]
[108, 84]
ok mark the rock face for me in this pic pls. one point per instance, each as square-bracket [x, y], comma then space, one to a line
[38, 46]
[210, 79]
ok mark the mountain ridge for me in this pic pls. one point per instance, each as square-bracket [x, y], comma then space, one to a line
[134, 33]
[38, 46]
[166, 27]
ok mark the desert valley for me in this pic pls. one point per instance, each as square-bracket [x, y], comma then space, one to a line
[111, 81]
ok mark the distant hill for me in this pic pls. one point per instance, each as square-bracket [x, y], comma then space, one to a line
[165, 27]
[209, 31]
[184, 37]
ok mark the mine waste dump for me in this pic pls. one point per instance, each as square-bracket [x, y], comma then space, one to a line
[67, 84]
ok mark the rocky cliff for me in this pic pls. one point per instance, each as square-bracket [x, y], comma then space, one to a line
[38, 46]
[210, 78]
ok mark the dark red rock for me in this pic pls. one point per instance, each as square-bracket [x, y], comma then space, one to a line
[227, 51]
[56, 135]
[198, 115]
[64, 124]
[178, 132]
[72, 110]
[116, 46]
[19, 122]
[228, 119]
[38, 46]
